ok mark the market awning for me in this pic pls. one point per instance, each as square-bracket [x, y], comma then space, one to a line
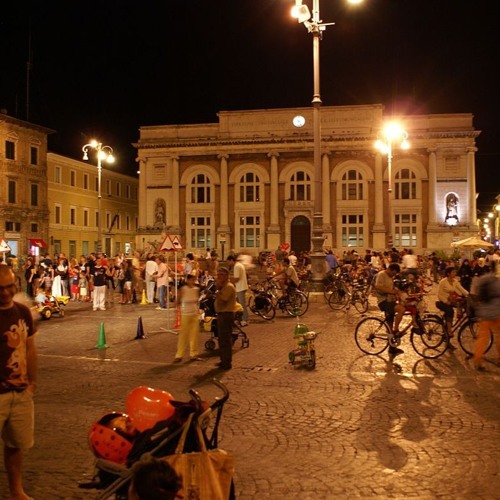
[37, 242]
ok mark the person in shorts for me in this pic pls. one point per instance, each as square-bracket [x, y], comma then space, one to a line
[17, 381]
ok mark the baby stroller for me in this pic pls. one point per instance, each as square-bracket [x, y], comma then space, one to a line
[113, 475]
[207, 305]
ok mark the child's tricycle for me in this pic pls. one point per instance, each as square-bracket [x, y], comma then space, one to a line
[305, 352]
[51, 306]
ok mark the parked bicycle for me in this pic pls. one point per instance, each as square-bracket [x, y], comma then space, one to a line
[342, 298]
[261, 303]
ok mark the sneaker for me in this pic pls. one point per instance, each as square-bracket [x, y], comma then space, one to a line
[195, 358]
[177, 360]
[243, 323]
[394, 351]
[95, 309]
[224, 367]
[103, 308]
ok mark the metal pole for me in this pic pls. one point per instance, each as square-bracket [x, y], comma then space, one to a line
[99, 197]
[317, 256]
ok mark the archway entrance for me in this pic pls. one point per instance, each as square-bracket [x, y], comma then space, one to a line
[300, 234]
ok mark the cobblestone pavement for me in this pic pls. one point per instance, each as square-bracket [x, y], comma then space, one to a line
[357, 426]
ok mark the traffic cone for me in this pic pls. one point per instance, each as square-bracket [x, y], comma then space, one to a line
[101, 343]
[177, 318]
[144, 300]
[140, 330]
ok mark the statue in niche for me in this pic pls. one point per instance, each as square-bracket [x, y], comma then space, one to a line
[451, 207]
[160, 211]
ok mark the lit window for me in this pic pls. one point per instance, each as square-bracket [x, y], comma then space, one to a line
[352, 231]
[352, 185]
[405, 184]
[200, 232]
[249, 231]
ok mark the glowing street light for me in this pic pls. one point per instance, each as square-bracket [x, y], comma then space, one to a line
[392, 134]
[315, 26]
[103, 153]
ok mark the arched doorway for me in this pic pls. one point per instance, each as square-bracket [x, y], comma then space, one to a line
[300, 234]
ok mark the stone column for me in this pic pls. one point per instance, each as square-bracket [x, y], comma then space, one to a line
[471, 176]
[326, 199]
[223, 228]
[379, 228]
[175, 196]
[142, 193]
[432, 186]
[273, 230]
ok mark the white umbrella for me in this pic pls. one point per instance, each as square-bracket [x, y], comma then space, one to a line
[472, 242]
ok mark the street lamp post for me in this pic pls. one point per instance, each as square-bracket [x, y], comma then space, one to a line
[315, 26]
[392, 133]
[103, 153]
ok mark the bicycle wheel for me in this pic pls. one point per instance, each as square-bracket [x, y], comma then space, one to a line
[267, 311]
[296, 304]
[467, 337]
[372, 335]
[329, 287]
[360, 303]
[339, 297]
[431, 339]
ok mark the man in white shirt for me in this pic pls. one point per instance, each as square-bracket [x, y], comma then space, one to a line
[241, 284]
[151, 270]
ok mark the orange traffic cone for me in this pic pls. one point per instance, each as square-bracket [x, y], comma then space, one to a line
[140, 330]
[178, 318]
[101, 343]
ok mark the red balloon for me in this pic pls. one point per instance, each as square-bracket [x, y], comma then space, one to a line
[146, 406]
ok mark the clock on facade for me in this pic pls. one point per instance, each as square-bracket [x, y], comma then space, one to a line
[298, 121]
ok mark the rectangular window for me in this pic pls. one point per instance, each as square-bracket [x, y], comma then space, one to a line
[405, 230]
[200, 232]
[127, 227]
[97, 219]
[108, 187]
[57, 247]
[85, 247]
[57, 214]
[12, 226]
[72, 178]
[72, 248]
[118, 189]
[34, 195]
[12, 191]
[34, 155]
[57, 175]
[85, 217]
[85, 181]
[108, 219]
[72, 216]
[352, 231]
[34, 227]
[10, 150]
[249, 231]
[127, 191]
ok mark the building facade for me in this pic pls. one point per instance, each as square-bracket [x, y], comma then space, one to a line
[247, 182]
[73, 207]
[24, 212]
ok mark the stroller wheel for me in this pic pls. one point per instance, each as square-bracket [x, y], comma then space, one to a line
[246, 342]
[210, 345]
[234, 337]
[61, 313]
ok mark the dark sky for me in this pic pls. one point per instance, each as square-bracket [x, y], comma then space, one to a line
[106, 67]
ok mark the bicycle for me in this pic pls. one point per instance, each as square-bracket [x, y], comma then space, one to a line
[293, 302]
[342, 298]
[373, 335]
[261, 303]
[466, 325]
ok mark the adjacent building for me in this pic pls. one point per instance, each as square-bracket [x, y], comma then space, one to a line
[73, 206]
[24, 210]
[247, 182]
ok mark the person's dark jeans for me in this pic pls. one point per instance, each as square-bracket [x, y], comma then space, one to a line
[447, 309]
[388, 309]
[225, 322]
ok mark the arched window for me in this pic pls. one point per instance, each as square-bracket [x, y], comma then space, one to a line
[200, 189]
[405, 184]
[300, 186]
[249, 187]
[352, 185]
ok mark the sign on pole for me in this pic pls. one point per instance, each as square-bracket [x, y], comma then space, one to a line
[4, 247]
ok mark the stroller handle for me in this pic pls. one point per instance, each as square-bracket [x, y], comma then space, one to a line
[219, 400]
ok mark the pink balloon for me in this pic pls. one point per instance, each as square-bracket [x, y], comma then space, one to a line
[146, 406]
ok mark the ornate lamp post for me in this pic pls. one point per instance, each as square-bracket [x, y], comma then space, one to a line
[315, 26]
[391, 134]
[103, 153]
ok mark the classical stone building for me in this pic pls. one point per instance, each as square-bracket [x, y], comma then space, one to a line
[73, 206]
[247, 182]
[24, 212]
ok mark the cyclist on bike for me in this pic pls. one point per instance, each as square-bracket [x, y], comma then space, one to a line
[449, 293]
[411, 298]
[288, 278]
[387, 295]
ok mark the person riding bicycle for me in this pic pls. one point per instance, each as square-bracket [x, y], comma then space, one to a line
[411, 298]
[288, 278]
[387, 295]
[449, 293]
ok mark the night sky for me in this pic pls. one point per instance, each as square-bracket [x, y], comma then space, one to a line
[104, 68]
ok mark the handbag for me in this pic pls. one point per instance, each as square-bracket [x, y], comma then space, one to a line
[205, 474]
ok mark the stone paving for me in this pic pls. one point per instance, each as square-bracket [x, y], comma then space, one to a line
[357, 426]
